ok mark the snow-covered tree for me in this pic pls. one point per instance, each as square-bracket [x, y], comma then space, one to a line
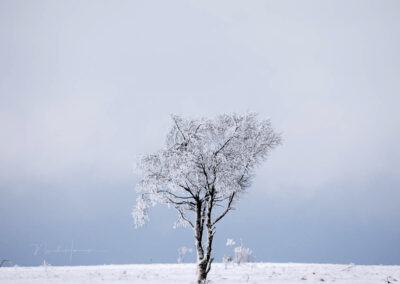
[205, 166]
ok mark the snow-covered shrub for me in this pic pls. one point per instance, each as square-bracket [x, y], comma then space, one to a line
[182, 251]
[243, 255]
[226, 260]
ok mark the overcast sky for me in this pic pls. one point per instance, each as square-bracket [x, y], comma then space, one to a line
[88, 86]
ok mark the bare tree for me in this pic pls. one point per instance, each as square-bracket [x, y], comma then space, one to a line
[204, 167]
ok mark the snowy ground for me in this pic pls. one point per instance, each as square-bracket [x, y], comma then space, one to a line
[283, 273]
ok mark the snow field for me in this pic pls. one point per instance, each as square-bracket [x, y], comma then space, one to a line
[282, 273]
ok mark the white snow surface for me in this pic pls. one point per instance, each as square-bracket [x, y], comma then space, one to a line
[283, 273]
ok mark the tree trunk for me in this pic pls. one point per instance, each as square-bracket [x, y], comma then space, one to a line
[202, 270]
[204, 259]
[202, 266]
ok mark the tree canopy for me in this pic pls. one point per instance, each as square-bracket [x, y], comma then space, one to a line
[201, 154]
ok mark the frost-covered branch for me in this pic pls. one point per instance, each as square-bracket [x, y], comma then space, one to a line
[228, 208]
[183, 217]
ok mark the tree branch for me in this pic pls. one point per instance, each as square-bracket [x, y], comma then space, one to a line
[209, 265]
[228, 208]
[179, 129]
[183, 216]
[226, 142]
[186, 188]
[174, 195]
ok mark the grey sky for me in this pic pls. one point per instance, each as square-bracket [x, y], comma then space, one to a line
[87, 86]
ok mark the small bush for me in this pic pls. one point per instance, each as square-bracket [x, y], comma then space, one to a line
[243, 255]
